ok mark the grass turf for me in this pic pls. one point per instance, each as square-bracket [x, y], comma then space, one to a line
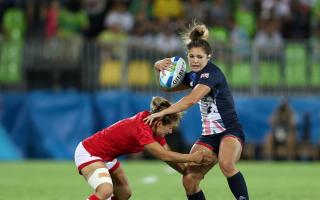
[152, 180]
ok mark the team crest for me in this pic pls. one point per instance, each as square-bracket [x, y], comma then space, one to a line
[204, 75]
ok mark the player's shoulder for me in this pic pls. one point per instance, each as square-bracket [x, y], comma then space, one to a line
[133, 121]
[139, 119]
[212, 67]
[141, 115]
[209, 70]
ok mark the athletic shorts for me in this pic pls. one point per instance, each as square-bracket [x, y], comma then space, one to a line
[213, 141]
[83, 158]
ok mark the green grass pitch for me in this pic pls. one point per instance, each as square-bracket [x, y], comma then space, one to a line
[153, 180]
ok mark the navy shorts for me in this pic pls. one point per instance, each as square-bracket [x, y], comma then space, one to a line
[213, 141]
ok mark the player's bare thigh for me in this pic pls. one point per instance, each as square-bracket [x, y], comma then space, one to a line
[229, 154]
[202, 169]
[230, 149]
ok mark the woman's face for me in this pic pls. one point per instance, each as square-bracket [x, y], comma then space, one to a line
[163, 130]
[197, 59]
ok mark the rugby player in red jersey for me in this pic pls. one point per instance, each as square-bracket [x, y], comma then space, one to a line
[96, 156]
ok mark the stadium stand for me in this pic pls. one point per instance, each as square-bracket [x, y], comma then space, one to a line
[218, 34]
[269, 74]
[110, 73]
[315, 74]
[245, 18]
[296, 63]
[140, 73]
[11, 50]
[240, 74]
[10, 63]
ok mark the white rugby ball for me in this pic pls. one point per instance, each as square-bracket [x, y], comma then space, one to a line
[174, 77]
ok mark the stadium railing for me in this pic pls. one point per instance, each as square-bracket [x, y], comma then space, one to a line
[92, 66]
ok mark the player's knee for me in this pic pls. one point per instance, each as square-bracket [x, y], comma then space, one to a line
[101, 182]
[191, 181]
[104, 191]
[227, 167]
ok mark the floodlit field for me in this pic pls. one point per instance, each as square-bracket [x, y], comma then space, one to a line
[50, 180]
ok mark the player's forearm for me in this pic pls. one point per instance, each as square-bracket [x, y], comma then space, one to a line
[182, 105]
[179, 167]
[171, 156]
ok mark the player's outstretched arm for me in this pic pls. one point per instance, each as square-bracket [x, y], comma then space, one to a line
[183, 104]
[179, 167]
[170, 156]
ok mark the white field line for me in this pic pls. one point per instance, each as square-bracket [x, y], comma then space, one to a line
[150, 179]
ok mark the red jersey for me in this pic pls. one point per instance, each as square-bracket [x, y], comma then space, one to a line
[124, 137]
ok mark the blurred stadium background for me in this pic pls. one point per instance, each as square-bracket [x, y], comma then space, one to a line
[69, 68]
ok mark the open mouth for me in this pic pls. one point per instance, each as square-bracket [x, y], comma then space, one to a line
[195, 67]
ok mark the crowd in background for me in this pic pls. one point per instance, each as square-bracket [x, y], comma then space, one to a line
[161, 20]
[153, 29]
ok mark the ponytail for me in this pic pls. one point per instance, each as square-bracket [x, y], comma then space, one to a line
[158, 104]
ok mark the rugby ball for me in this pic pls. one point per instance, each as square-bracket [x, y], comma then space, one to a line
[173, 77]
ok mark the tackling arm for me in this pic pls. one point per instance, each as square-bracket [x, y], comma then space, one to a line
[170, 156]
[179, 167]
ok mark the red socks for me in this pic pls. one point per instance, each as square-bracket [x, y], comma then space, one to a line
[93, 197]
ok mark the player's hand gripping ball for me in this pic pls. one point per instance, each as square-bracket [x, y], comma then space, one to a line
[174, 77]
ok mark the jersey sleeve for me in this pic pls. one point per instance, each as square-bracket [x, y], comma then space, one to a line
[161, 140]
[144, 135]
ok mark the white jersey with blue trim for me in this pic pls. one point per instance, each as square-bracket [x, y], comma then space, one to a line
[217, 107]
